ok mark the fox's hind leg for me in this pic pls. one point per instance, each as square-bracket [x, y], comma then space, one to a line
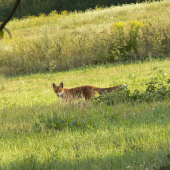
[89, 94]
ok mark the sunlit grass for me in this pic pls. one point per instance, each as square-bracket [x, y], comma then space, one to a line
[108, 137]
[135, 75]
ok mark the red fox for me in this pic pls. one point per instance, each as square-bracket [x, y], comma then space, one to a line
[83, 91]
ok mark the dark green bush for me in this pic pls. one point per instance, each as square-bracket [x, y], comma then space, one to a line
[35, 7]
[157, 89]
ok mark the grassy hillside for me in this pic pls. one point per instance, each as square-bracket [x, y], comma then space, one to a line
[39, 131]
[60, 42]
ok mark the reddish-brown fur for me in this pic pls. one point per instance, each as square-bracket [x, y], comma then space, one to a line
[83, 91]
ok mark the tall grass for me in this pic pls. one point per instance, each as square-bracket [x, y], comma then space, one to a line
[60, 42]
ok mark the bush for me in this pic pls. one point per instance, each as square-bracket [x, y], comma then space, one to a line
[157, 89]
[135, 40]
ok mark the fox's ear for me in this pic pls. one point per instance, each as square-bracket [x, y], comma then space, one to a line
[61, 85]
[54, 85]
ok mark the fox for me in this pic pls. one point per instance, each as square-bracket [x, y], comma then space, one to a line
[86, 92]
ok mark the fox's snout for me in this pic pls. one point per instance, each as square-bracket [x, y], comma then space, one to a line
[59, 94]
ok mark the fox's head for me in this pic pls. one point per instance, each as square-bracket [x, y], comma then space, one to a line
[59, 89]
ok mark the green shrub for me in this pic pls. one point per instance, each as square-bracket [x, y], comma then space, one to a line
[157, 89]
[61, 124]
[135, 40]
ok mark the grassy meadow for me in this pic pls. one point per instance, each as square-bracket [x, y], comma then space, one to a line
[95, 136]
[104, 47]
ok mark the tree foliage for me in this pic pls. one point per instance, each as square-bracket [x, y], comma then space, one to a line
[35, 7]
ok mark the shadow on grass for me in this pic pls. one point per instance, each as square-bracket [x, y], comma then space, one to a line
[128, 160]
[107, 65]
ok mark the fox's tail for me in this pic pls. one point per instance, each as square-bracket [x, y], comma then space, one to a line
[124, 86]
[110, 89]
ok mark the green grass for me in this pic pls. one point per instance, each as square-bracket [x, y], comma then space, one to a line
[39, 131]
[62, 42]
[124, 136]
